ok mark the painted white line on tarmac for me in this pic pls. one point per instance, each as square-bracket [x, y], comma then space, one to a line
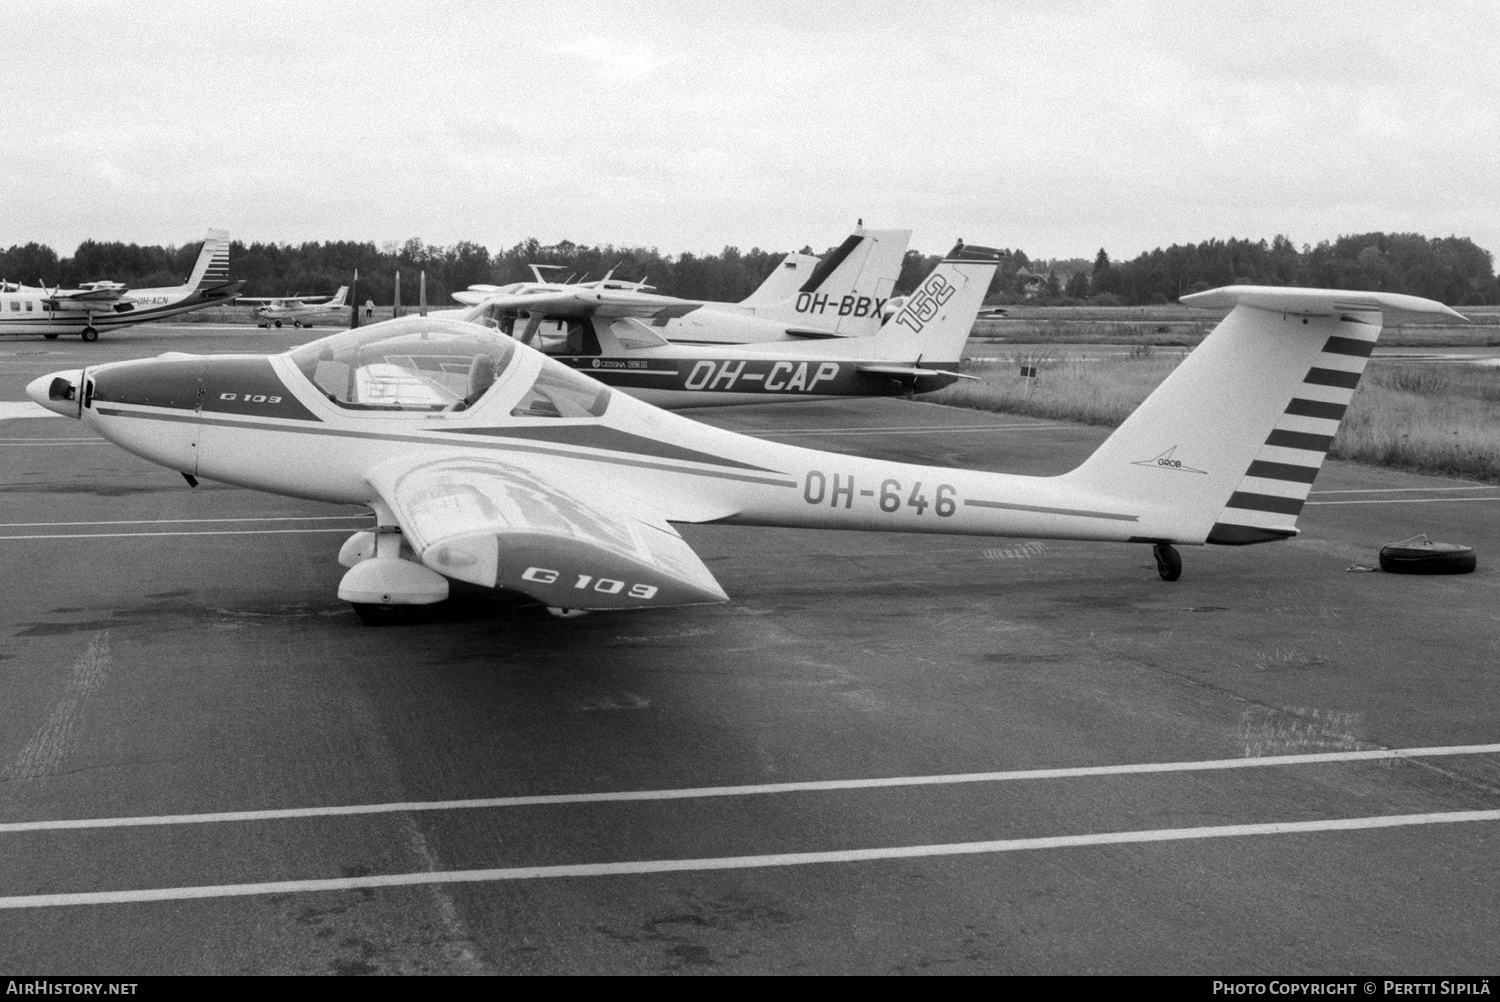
[736, 862]
[202, 532]
[1409, 501]
[1411, 490]
[24, 409]
[185, 521]
[699, 792]
[913, 430]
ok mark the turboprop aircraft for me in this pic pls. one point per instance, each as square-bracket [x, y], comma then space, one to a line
[845, 295]
[96, 306]
[485, 461]
[916, 351]
[300, 310]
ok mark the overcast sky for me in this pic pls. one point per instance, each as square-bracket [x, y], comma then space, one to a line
[1054, 127]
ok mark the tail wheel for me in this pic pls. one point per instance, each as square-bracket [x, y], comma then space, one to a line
[88, 334]
[1168, 561]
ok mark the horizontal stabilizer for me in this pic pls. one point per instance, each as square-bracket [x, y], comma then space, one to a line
[1317, 302]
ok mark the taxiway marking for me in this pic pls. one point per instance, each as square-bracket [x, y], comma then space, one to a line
[185, 521]
[738, 862]
[1409, 501]
[911, 430]
[1410, 490]
[185, 532]
[756, 789]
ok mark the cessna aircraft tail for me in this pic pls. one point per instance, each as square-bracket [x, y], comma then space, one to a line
[784, 281]
[338, 299]
[1226, 449]
[844, 294]
[934, 322]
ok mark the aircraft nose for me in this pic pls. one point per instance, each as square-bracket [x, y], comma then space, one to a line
[58, 391]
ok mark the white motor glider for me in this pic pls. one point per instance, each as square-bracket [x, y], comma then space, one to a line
[487, 462]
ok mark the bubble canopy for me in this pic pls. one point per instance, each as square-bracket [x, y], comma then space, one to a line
[433, 364]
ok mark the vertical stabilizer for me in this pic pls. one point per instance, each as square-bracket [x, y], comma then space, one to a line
[1226, 448]
[212, 267]
[784, 281]
[338, 299]
[845, 292]
[934, 322]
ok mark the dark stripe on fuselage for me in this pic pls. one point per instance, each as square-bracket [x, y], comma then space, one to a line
[1229, 534]
[1282, 471]
[595, 436]
[1251, 501]
[1333, 377]
[1316, 408]
[1349, 346]
[1075, 512]
[1300, 440]
[435, 439]
[777, 377]
[222, 385]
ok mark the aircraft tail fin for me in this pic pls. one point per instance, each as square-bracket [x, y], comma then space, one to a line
[935, 320]
[212, 267]
[338, 299]
[1225, 450]
[844, 293]
[784, 281]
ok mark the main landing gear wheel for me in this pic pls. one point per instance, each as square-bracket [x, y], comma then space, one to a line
[1426, 557]
[50, 337]
[89, 334]
[278, 323]
[1168, 561]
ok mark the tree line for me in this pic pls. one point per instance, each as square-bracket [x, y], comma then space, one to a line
[1452, 269]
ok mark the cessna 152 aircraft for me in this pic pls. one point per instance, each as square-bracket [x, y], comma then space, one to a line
[97, 306]
[486, 461]
[845, 295]
[300, 310]
[917, 351]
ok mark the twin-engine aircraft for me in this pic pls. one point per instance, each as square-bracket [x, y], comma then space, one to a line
[300, 310]
[917, 349]
[96, 306]
[845, 295]
[485, 461]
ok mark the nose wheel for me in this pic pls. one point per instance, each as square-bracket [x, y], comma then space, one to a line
[1168, 561]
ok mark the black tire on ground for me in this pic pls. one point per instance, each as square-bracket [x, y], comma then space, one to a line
[50, 337]
[278, 323]
[1428, 558]
[89, 334]
[1168, 561]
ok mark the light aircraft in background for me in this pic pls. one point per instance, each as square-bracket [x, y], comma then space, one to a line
[916, 351]
[844, 295]
[487, 462]
[300, 310]
[96, 306]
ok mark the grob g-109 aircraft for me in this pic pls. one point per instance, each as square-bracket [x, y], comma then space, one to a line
[300, 310]
[97, 306]
[915, 350]
[486, 461]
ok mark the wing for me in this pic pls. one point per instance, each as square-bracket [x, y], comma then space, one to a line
[582, 302]
[503, 526]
